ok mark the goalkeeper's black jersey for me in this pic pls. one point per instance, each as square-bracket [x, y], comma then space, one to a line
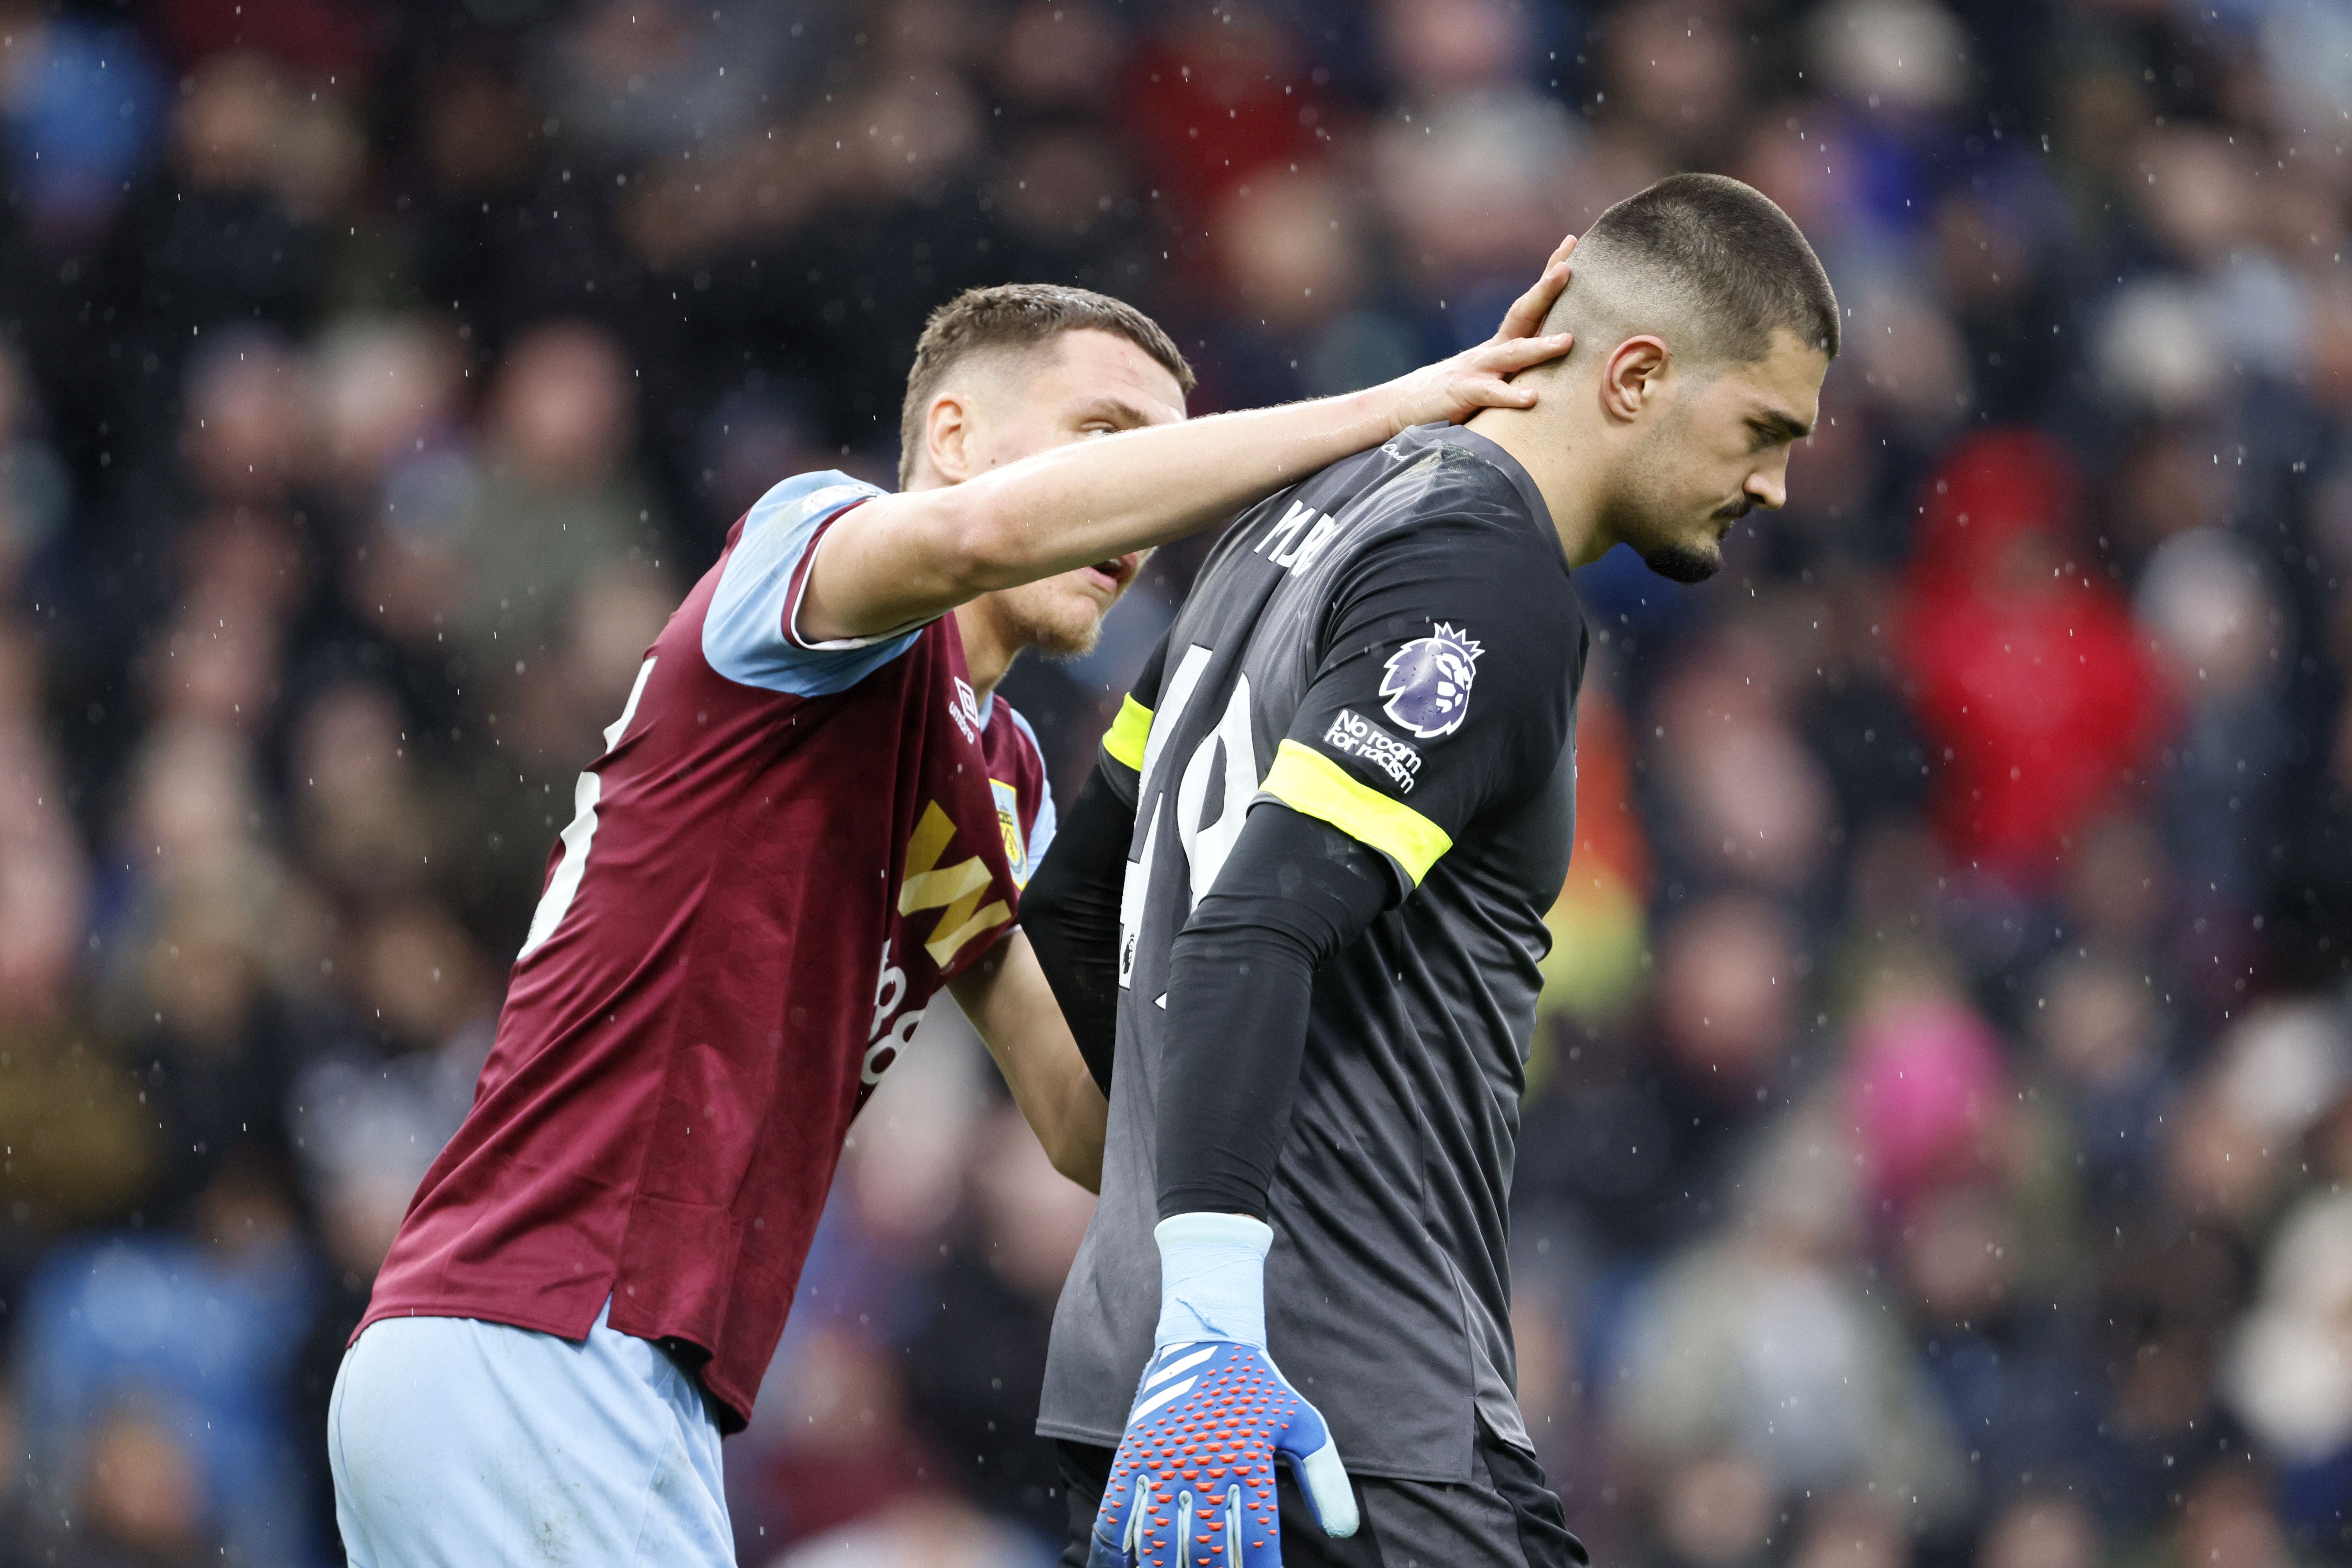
[1393, 647]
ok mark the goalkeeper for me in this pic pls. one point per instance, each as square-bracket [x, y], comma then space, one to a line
[1305, 890]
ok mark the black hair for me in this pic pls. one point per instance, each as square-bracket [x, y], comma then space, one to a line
[1731, 254]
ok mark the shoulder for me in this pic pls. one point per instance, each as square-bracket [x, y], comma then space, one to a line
[1458, 463]
[1443, 470]
[1449, 489]
[808, 495]
[781, 523]
[1461, 594]
[748, 632]
[1464, 549]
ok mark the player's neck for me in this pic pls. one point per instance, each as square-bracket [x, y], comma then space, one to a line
[1565, 465]
[988, 651]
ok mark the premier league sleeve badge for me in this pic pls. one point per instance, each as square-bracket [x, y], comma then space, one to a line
[1427, 681]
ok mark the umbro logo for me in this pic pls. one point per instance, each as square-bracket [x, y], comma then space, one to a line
[963, 707]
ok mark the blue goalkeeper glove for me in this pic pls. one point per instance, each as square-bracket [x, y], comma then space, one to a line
[1193, 1485]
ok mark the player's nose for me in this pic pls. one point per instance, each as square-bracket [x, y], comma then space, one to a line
[1769, 488]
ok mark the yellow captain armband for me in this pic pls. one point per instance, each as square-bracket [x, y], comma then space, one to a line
[1312, 785]
[1127, 734]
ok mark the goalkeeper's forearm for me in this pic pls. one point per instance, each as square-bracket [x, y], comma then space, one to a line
[1292, 892]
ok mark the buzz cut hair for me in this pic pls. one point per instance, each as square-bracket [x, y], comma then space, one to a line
[1017, 317]
[1711, 264]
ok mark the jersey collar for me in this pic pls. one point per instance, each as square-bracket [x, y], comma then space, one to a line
[1521, 480]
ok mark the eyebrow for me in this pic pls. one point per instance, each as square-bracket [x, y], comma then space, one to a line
[1117, 410]
[1781, 427]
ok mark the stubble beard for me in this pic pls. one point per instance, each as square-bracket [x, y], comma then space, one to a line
[1685, 563]
[1058, 623]
[1647, 527]
[1640, 515]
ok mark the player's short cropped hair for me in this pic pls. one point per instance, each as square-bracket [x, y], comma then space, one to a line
[1018, 316]
[1708, 256]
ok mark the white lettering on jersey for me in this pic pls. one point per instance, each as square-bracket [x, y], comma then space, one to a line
[1299, 515]
[885, 1038]
[1353, 735]
[1321, 535]
[1291, 551]
[1174, 700]
[889, 990]
[1177, 697]
[1206, 844]
[564, 886]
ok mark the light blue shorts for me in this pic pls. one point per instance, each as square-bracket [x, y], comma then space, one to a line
[460, 1444]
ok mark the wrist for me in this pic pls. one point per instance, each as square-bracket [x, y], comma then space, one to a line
[1389, 411]
[1358, 420]
[1211, 1278]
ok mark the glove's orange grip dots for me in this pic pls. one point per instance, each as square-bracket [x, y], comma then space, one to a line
[1218, 1443]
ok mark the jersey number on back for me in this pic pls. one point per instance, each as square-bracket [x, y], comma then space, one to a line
[564, 886]
[1207, 840]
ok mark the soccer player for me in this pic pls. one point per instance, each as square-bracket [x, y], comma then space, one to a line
[1306, 884]
[809, 815]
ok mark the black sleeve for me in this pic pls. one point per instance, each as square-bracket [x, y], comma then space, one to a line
[1292, 892]
[1071, 913]
[1442, 687]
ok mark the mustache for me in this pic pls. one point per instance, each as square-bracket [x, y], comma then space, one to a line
[1732, 512]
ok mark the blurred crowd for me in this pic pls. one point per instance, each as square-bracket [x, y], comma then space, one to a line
[1938, 1133]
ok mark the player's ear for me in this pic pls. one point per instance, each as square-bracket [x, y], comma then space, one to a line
[948, 438]
[1630, 376]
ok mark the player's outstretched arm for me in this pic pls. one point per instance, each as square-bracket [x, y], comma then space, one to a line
[1005, 996]
[899, 560]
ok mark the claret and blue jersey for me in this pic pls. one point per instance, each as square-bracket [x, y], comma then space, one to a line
[785, 851]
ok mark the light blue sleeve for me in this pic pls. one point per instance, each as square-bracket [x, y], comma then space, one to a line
[1042, 831]
[746, 635]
